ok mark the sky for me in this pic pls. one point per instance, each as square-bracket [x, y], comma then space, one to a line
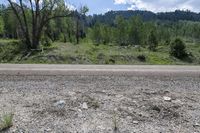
[102, 6]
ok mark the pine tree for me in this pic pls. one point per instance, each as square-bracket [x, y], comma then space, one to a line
[152, 41]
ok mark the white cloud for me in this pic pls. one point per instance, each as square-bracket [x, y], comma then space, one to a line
[161, 5]
[108, 9]
[121, 1]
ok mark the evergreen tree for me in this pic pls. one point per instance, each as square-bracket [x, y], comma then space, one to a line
[135, 31]
[178, 49]
[152, 41]
[121, 31]
[1, 26]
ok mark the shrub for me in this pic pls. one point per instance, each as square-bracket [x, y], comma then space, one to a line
[112, 61]
[46, 41]
[141, 58]
[6, 121]
[167, 42]
[178, 49]
[8, 51]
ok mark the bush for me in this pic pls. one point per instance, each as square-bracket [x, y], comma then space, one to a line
[46, 41]
[178, 49]
[167, 42]
[141, 58]
[6, 122]
[8, 51]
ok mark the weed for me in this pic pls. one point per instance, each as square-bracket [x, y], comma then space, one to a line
[95, 104]
[6, 121]
[115, 125]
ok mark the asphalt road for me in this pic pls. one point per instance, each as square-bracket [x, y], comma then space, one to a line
[45, 70]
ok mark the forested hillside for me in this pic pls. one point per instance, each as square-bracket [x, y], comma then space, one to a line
[109, 17]
[177, 34]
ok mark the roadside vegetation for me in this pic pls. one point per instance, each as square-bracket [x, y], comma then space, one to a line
[88, 53]
[6, 121]
[58, 34]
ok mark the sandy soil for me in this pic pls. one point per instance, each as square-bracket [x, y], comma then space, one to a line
[101, 104]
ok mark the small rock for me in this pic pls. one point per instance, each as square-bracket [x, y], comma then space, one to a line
[115, 109]
[80, 114]
[14, 130]
[60, 104]
[100, 128]
[47, 130]
[179, 102]
[85, 106]
[196, 125]
[168, 99]
[129, 118]
[72, 94]
[135, 122]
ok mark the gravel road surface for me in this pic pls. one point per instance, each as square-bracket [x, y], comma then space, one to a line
[101, 99]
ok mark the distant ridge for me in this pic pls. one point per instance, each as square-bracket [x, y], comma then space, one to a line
[177, 15]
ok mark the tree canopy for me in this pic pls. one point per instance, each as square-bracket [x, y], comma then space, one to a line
[34, 15]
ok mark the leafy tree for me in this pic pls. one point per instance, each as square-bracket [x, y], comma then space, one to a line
[121, 30]
[11, 26]
[80, 17]
[105, 33]
[96, 34]
[33, 20]
[70, 29]
[152, 41]
[100, 33]
[84, 10]
[1, 26]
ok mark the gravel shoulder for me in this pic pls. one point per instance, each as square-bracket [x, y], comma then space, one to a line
[98, 104]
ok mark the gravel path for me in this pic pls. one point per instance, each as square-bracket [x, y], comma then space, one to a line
[99, 104]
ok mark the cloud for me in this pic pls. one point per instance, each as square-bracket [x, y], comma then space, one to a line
[121, 1]
[160, 5]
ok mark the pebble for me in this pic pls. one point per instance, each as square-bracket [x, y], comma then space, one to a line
[168, 99]
[135, 122]
[179, 102]
[47, 130]
[85, 106]
[60, 104]
[72, 94]
[196, 125]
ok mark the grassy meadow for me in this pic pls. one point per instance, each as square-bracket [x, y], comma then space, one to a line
[88, 53]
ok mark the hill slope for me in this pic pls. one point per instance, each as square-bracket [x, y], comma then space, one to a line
[146, 15]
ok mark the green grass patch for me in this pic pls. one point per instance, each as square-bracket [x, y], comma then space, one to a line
[6, 121]
[87, 53]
